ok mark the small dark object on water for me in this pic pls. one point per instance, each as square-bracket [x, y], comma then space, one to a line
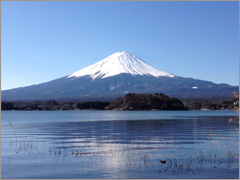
[163, 161]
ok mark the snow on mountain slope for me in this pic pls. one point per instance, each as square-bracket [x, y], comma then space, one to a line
[118, 63]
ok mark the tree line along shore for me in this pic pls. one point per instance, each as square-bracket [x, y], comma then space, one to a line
[131, 101]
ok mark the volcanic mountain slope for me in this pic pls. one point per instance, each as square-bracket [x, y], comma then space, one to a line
[119, 63]
[114, 76]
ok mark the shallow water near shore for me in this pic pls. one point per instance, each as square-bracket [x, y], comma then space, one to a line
[119, 144]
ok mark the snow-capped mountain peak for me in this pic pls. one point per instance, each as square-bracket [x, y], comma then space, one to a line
[118, 63]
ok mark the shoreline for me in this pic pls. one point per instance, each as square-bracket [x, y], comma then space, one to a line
[125, 110]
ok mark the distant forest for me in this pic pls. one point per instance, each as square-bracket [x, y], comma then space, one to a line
[131, 101]
[134, 101]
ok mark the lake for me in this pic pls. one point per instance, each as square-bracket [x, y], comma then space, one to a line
[119, 144]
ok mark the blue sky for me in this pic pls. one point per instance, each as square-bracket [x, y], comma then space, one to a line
[42, 41]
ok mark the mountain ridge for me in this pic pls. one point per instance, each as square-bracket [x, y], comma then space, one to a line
[103, 84]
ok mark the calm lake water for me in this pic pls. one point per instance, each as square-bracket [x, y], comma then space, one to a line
[119, 144]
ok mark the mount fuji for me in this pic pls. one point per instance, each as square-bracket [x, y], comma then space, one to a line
[119, 63]
[114, 76]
